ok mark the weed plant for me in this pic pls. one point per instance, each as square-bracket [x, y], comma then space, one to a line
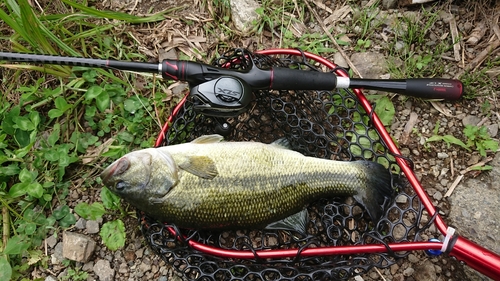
[57, 121]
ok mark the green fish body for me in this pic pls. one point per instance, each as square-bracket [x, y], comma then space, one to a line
[211, 184]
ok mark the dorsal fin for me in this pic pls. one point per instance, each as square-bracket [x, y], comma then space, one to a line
[208, 139]
[283, 143]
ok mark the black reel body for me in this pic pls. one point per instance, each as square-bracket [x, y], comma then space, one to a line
[323, 124]
[225, 96]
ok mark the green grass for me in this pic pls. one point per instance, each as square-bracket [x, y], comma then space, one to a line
[409, 54]
[55, 120]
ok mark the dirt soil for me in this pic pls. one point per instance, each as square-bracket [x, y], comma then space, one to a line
[185, 30]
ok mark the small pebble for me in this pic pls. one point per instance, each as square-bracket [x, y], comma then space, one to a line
[408, 272]
[401, 199]
[51, 241]
[92, 227]
[413, 259]
[139, 253]
[442, 155]
[80, 223]
[438, 196]
[123, 268]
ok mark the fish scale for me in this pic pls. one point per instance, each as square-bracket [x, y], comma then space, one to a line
[209, 184]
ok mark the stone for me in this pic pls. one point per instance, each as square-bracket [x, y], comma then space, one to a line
[389, 4]
[51, 241]
[409, 271]
[81, 223]
[413, 259]
[371, 65]
[394, 268]
[401, 199]
[103, 269]
[339, 60]
[442, 155]
[471, 120]
[50, 278]
[425, 271]
[62, 274]
[129, 255]
[57, 256]
[77, 247]
[139, 253]
[92, 227]
[438, 195]
[243, 13]
[145, 265]
[492, 130]
[480, 198]
[88, 266]
[123, 268]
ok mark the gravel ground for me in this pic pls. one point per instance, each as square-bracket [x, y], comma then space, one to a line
[437, 166]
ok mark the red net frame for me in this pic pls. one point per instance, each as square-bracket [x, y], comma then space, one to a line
[475, 256]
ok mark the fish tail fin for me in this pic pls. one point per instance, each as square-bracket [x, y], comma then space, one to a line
[377, 189]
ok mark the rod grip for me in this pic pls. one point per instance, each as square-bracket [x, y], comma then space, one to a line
[294, 79]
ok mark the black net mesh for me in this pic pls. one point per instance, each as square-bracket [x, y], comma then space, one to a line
[323, 124]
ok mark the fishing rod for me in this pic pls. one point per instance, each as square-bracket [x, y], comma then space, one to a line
[228, 91]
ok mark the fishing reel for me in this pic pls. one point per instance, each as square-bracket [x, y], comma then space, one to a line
[226, 96]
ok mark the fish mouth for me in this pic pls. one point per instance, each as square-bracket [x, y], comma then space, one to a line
[117, 168]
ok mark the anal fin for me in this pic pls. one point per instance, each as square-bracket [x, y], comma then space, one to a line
[296, 222]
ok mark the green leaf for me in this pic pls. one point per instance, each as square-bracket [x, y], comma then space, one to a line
[51, 155]
[109, 199]
[113, 234]
[451, 139]
[8, 122]
[54, 136]
[68, 220]
[435, 138]
[35, 118]
[18, 189]
[132, 104]
[62, 104]
[35, 189]
[491, 144]
[385, 110]
[24, 123]
[10, 170]
[5, 269]
[61, 212]
[64, 216]
[90, 212]
[26, 176]
[54, 113]
[15, 246]
[102, 101]
[93, 92]
[29, 228]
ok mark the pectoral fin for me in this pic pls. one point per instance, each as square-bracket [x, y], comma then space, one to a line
[201, 166]
[296, 222]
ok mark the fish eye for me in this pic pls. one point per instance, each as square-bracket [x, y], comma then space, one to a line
[120, 185]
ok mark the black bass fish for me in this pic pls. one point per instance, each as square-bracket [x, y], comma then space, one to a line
[212, 184]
